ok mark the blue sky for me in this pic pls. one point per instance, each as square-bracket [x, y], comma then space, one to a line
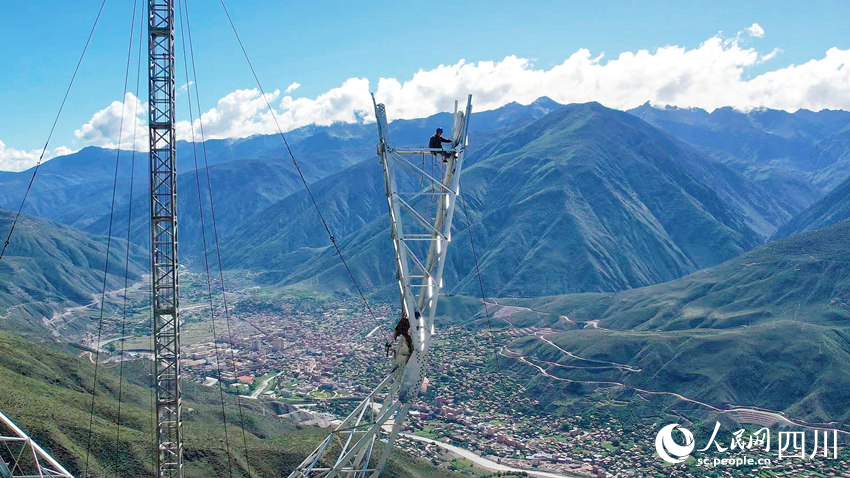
[321, 44]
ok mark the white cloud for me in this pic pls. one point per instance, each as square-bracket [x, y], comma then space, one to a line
[709, 76]
[102, 128]
[770, 56]
[12, 159]
[244, 112]
[755, 30]
[348, 103]
[712, 75]
[292, 87]
[239, 114]
[814, 85]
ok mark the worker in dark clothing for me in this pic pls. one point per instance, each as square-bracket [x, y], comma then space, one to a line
[403, 329]
[437, 141]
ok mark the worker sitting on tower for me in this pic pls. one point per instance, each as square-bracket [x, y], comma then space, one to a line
[436, 142]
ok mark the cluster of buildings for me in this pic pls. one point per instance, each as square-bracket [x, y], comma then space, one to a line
[318, 350]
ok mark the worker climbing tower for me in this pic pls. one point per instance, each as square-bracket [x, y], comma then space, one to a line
[422, 186]
[164, 269]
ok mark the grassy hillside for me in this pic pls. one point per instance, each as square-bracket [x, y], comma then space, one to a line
[349, 200]
[769, 329]
[47, 393]
[830, 209]
[49, 266]
[239, 187]
[805, 278]
[784, 366]
[73, 189]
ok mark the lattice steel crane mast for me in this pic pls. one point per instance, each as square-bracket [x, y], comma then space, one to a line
[421, 206]
[164, 266]
[20, 456]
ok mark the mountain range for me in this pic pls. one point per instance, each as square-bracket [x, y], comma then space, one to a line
[591, 198]
[799, 156]
[833, 208]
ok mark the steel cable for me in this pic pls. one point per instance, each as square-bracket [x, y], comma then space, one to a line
[215, 232]
[127, 253]
[301, 175]
[181, 21]
[481, 287]
[52, 129]
[108, 248]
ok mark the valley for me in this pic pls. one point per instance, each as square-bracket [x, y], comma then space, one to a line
[633, 277]
[526, 393]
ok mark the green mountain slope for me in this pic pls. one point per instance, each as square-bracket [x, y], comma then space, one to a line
[280, 236]
[74, 189]
[769, 329]
[583, 199]
[593, 199]
[77, 189]
[783, 366]
[49, 266]
[48, 393]
[239, 187]
[803, 278]
[830, 209]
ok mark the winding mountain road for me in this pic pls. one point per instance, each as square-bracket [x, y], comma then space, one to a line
[756, 413]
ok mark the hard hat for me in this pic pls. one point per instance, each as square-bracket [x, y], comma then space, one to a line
[439, 130]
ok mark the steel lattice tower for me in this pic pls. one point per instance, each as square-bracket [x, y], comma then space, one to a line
[164, 273]
[421, 207]
[21, 457]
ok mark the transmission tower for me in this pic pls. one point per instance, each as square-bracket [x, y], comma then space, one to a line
[421, 196]
[163, 182]
[21, 457]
